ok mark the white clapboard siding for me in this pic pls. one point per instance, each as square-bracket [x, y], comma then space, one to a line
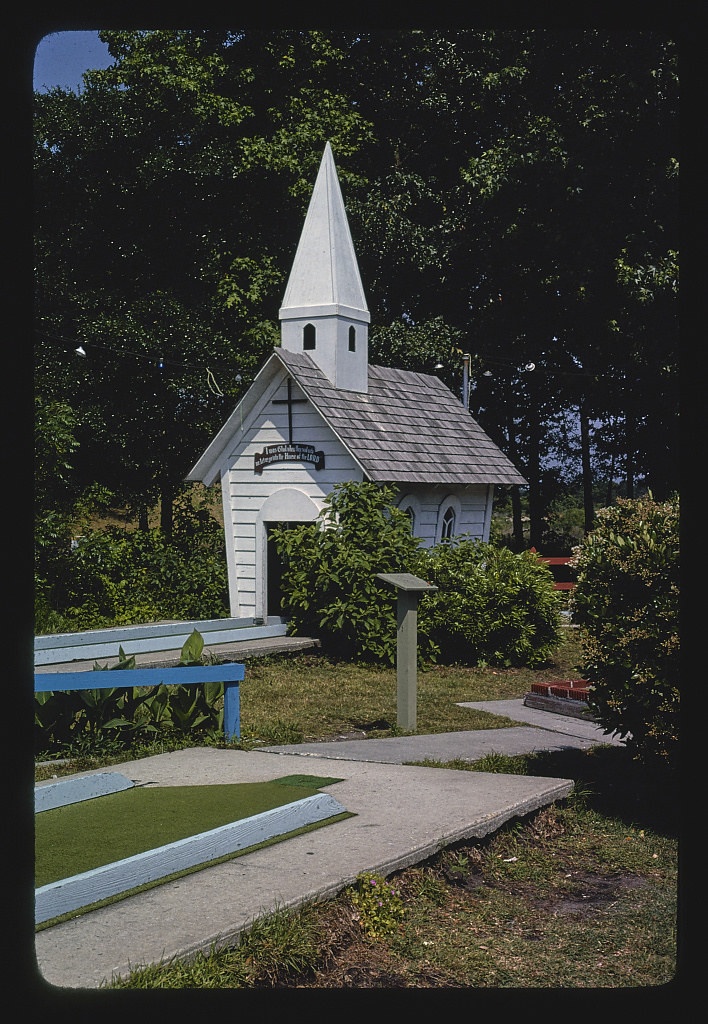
[280, 475]
[243, 530]
[70, 894]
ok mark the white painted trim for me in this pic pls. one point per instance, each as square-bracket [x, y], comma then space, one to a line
[449, 499]
[73, 791]
[209, 464]
[81, 890]
[229, 540]
[287, 504]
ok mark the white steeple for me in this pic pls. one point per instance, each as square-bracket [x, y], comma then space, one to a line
[324, 310]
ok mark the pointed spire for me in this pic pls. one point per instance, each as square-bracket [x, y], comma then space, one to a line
[324, 279]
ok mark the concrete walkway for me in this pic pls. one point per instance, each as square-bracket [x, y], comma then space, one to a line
[403, 814]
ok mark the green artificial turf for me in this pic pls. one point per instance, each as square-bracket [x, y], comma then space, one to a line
[82, 836]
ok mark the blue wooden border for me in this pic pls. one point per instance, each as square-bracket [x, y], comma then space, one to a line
[230, 674]
[48, 795]
[78, 891]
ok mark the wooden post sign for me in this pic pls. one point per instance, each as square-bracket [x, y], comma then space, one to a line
[409, 589]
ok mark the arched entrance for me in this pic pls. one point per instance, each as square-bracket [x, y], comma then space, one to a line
[285, 507]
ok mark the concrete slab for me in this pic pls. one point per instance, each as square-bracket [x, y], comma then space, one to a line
[552, 732]
[575, 728]
[403, 815]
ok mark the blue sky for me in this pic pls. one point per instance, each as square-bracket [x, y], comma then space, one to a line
[62, 57]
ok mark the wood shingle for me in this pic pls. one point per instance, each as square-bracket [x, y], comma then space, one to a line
[408, 427]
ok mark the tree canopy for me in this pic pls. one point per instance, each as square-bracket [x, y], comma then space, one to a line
[512, 194]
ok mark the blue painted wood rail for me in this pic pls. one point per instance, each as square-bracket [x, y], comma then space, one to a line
[230, 674]
[55, 648]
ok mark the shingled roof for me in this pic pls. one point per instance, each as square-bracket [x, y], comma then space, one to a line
[409, 428]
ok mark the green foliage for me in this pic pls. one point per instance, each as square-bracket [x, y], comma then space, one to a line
[329, 580]
[192, 648]
[86, 721]
[429, 347]
[627, 602]
[479, 171]
[124, 661]
[378, 904]
[491, 606]
[118, 577]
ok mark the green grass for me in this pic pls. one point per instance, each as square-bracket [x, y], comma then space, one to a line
[82, 836]
[580, 895]
[319, 699]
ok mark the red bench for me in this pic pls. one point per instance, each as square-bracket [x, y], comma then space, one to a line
[557, 565]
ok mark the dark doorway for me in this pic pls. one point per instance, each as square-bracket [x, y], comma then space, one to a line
[274, 593]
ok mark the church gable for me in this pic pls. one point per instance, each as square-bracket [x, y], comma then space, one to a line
[286, 440]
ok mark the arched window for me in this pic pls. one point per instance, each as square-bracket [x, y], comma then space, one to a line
[410, 504]
[308, 336]
[449, 522]
[352, 340]
[447, 529]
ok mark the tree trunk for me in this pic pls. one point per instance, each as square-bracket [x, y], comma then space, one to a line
[588, 504]
[534, 475]
[166, 514]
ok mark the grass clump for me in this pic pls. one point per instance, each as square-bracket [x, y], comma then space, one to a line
[276, 948]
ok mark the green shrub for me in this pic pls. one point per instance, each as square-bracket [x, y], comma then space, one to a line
[627, 602]
[329, 579]
[118, 577]
[492, 606]
[378, 905]
[115, 717]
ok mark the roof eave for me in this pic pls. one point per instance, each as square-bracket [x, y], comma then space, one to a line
[208, 467]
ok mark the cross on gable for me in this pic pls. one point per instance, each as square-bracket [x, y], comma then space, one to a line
[290, 402]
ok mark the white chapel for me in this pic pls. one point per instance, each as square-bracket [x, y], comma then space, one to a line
[317, 414]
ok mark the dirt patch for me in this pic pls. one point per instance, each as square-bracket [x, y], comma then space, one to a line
[589, 893]
[351, 960]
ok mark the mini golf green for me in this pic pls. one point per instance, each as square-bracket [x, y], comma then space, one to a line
[81, 836]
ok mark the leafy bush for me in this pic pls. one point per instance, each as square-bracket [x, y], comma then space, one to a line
[378, 904]
[118, 577]
[115, 717]
[329, 579]
[627, 602]
[492, 606]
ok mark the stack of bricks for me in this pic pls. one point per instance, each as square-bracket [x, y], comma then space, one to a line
[572, 689]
